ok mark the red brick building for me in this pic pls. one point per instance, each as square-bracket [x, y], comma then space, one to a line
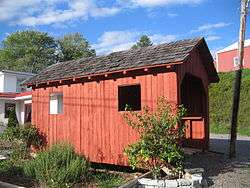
[227, 58]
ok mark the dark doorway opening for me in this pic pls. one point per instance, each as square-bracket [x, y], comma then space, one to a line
[27, 113]
[194, 99]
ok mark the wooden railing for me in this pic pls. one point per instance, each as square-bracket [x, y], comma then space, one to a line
[195, 131]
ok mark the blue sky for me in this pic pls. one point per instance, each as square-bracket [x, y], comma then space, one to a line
[114, 25]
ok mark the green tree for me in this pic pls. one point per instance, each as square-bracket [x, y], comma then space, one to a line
[143, 42]
[74, 46]
[29, 51]
[12, 121]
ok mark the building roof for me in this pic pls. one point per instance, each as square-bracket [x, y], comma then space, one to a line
[234, 46]
[13, 95]
[17, 72]
[150, 56]
[7, 95]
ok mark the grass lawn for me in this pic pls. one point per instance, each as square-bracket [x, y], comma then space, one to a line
[220, 104]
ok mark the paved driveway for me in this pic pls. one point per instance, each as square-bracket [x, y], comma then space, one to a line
[221, 171]
[220, 143]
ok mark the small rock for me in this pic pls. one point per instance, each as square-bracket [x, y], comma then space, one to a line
[184, 182]
[2, 157]
[171, 183]
[195, 171]
[149, 182]
[196, 180]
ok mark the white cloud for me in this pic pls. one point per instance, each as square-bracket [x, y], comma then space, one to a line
[207, 27]
[113, 41]
[212, 37]
[159, 39]
[214, 50]
[172, 15]
[154, 3]
[11, 9]
[45, 12]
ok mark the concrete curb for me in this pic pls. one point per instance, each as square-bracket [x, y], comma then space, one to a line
[8, 185]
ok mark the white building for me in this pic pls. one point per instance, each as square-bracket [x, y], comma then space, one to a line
[13, 95]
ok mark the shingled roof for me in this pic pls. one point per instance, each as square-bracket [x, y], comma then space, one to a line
[150, 56]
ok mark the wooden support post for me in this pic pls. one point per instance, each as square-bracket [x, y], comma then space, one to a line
[238, 75]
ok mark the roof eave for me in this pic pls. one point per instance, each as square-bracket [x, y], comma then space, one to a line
[31, 84]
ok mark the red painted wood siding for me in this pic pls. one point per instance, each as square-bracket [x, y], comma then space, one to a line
[195, 67]
[90, 119]
[224, 62]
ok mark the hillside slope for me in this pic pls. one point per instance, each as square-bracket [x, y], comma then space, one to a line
[220, 101]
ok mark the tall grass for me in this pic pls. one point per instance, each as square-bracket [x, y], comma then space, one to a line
[220, 102]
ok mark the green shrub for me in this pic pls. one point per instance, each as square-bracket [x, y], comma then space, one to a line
[17, 154]
[10, 133]
[59, 166]
[31, 136]
[27, 133]
[19, 151]
[8, 169]
[159, 137]
[12, 121]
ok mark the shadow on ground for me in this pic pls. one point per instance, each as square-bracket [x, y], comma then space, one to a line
[219, 170]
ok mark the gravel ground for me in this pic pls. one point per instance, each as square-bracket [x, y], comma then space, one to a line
[219, 170]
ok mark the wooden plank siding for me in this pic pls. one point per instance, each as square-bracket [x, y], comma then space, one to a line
[90, 118]
[195, 67]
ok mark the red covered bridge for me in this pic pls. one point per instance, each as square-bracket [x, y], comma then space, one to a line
[82, 101]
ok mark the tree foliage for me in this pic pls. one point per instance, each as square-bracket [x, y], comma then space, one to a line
[159, 137]
[143, 42]
[12, 121]
[28, 51]
[74, 46]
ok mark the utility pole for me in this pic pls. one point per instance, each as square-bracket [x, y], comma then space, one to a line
[238, 75]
